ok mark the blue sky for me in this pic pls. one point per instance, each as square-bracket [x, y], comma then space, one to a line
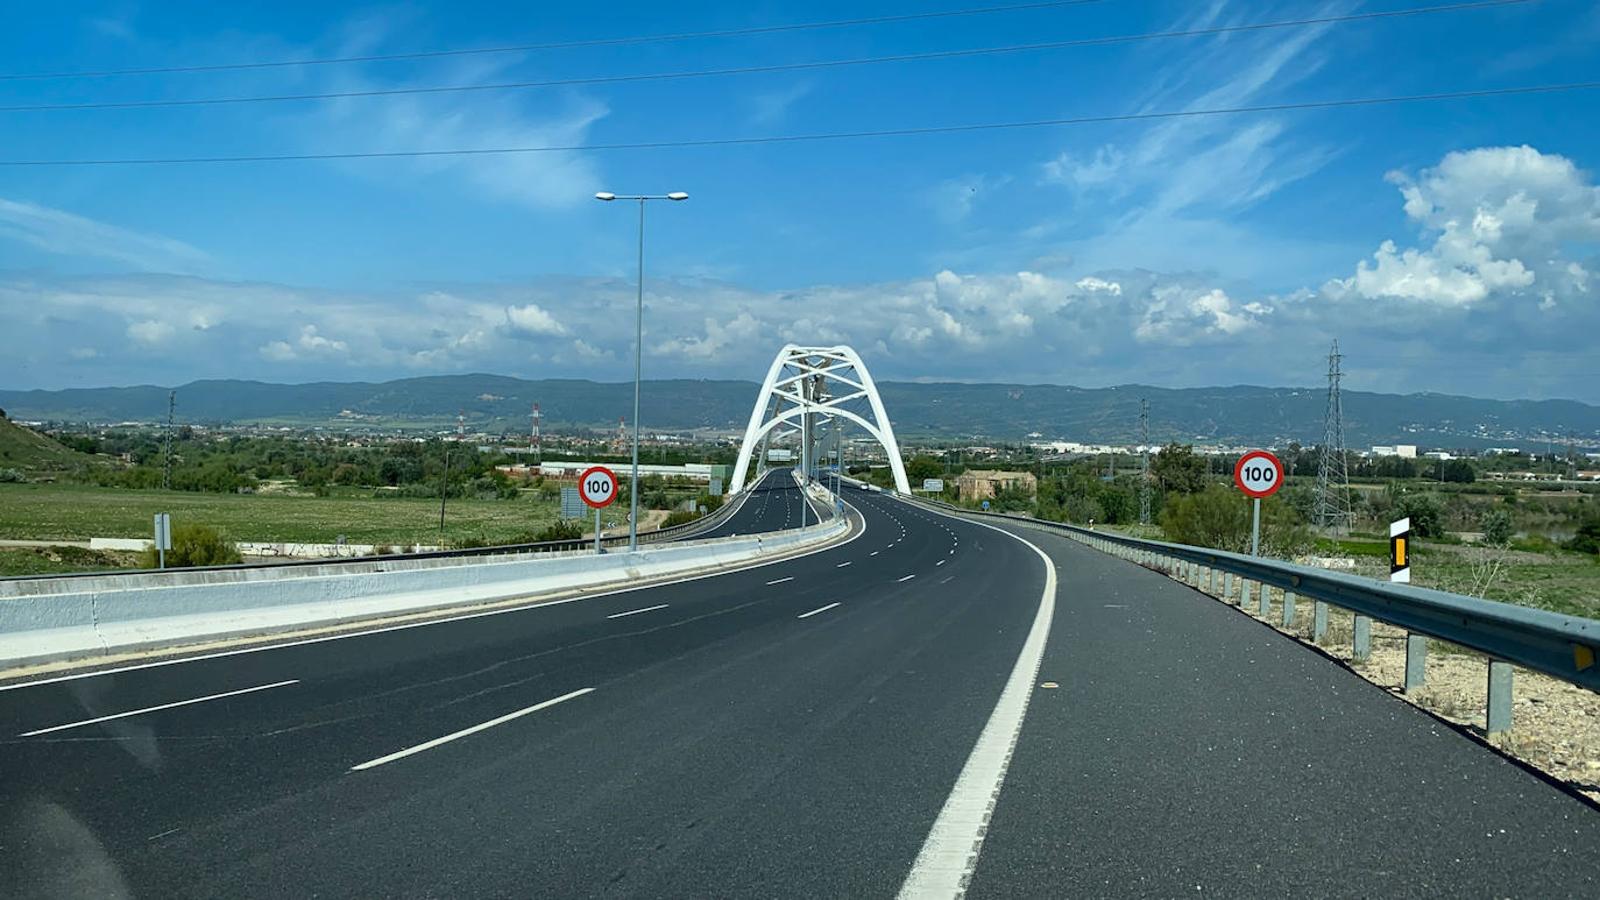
[1448, 245]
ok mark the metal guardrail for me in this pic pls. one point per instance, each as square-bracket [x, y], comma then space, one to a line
[1561, 646]
[675, 532]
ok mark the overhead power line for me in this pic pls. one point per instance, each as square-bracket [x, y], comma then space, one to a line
[556, 45]
[823, 136]
[775, 67]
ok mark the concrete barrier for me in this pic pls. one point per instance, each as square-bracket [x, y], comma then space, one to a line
[100, 615]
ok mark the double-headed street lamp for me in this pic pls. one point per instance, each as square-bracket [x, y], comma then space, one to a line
[638, 352]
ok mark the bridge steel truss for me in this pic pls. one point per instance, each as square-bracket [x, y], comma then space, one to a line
[806, 384]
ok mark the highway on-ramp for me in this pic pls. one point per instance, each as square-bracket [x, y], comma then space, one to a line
[831, 725]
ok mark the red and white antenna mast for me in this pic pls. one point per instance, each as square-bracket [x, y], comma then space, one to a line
[535, 443]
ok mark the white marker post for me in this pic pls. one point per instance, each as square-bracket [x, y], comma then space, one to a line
[598, 488]
[163, 538]
[1258, 474]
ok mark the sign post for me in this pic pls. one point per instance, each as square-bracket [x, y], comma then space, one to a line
[1258, 474]
[163, 538]
[598, 488]
[1400, 551]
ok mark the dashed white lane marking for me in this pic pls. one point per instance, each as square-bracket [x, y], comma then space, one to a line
[941, 562]
[150, 709]
[779, 580]
[483, 726]
[875, 553]
[635, 612]
[820, 609]
[843, 564]
[947, 579]
[907, 578]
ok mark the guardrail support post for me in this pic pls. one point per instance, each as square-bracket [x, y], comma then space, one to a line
[1264, 601]
[1227, 587]
[1416, 661]
[1497, 717]
[1319, 620]
[1288, 609]
[1244, 593]
[1361, 646]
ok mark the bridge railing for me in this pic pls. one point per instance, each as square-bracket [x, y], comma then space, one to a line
[1562, 646]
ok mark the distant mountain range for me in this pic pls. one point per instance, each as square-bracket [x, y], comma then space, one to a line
[1004, 412]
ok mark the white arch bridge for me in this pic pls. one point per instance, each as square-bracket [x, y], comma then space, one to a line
[811, 386]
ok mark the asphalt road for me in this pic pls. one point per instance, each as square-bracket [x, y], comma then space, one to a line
[1190, 750]
[789, 730]
[793, 730]
[771, 504]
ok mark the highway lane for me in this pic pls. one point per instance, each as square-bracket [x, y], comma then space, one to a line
[792, 729]
[771, 504]
[1191, 750]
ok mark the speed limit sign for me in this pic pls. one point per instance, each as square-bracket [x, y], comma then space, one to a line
[1259, 474]
[598, 486]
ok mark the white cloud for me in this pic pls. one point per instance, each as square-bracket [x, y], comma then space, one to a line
[67, 234]
[772, 107]
[1103, 168]
[1503, 218]
[953, 199]
[150, 332]
[309, 344]
[532, 320]
[458, 121]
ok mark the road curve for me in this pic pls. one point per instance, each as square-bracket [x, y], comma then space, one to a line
[792, 729]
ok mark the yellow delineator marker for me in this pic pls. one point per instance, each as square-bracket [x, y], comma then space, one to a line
[1399, 551]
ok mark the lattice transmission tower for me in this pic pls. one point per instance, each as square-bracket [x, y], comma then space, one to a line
[1332, 510]
[1144, 461]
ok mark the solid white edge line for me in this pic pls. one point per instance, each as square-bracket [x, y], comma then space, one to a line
[820, 609]
[635, 612]
[443, 620]
[482, 726]
[150, 709]
[949, 856]
[779, 581]
[908, 578]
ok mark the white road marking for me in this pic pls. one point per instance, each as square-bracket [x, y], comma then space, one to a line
[469, 731]
[947, 579]
[875, 553]
[843, 564]
[147, 709]
[908, 578]
[635, 612]
[381, 629]
[820, 609]
[950, 854]
[779, 581]
[941, 562]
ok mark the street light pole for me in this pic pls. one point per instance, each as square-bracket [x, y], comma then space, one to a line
[638, 355]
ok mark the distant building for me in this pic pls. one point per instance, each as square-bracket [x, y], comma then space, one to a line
[978, 484]
[1385, 450]
[1405, 451]
[1437, 454]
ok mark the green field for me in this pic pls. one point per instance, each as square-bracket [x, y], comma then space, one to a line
[77, 512]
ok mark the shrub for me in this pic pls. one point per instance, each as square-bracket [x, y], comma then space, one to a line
[1587, 539]
[559, 530]
[12, 476]
[1425, 512]
[1497, 528]
[194, 545]
[680, 517]
[1220, 517]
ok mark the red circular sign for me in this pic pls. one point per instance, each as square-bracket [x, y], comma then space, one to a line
[598, 486]
[1258, 473]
